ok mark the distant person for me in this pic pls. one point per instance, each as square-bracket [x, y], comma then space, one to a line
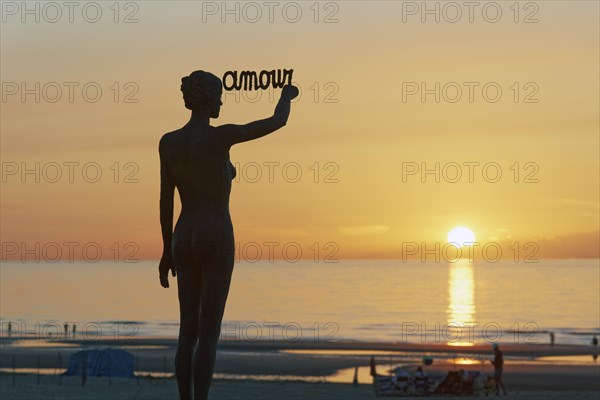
[551, 339]
[74, 331]
[419, 373]
[595, 341]
[9, 328]
[498, 363]
[66, 330]
[200, 250]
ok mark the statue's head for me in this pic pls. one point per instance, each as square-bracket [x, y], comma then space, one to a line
[202, 91]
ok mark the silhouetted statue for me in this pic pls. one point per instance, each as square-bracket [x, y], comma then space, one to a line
[200, 251]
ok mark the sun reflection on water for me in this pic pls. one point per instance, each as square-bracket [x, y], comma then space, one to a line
[461, 303]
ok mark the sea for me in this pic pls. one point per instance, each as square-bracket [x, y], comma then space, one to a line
[460, 303]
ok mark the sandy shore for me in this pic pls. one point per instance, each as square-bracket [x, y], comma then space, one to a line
[295, 370]
[98, 389]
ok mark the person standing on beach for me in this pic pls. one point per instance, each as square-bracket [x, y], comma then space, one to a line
[551, 339]
[498, 363]
[200, 251]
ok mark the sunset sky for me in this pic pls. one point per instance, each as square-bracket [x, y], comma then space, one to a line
[366, 62]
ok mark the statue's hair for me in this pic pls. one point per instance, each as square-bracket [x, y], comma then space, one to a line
[198, 88]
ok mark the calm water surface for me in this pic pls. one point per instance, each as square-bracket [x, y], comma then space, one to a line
[386, 300]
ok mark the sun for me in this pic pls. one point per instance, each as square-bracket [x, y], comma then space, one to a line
[461, 236]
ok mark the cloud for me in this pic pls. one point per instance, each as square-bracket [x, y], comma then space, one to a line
[291, 232]
[363, 230]
[577, 202]
[573, 245]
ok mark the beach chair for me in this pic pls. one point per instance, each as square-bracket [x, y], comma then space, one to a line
[488, 385]
[384, 385]
[452, 384]
[458, 383]
[393, 385]
[421, 385]
[469, 382]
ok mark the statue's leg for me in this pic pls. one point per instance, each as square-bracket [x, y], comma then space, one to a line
[216, 279]
[189, 288]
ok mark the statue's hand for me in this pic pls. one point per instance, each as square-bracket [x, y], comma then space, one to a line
[166, 264]
[290, 91]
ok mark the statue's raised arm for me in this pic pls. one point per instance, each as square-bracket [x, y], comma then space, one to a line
[233, 134]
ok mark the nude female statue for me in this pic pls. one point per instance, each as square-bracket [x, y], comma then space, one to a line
[200, 252]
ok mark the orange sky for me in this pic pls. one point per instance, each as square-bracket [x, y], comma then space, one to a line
[366, 62]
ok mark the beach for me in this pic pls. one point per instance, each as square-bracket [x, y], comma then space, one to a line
[293, 370]
[242, 390]
[284, 342]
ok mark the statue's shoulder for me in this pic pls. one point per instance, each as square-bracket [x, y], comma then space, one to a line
[167, 138]
[170, 139]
